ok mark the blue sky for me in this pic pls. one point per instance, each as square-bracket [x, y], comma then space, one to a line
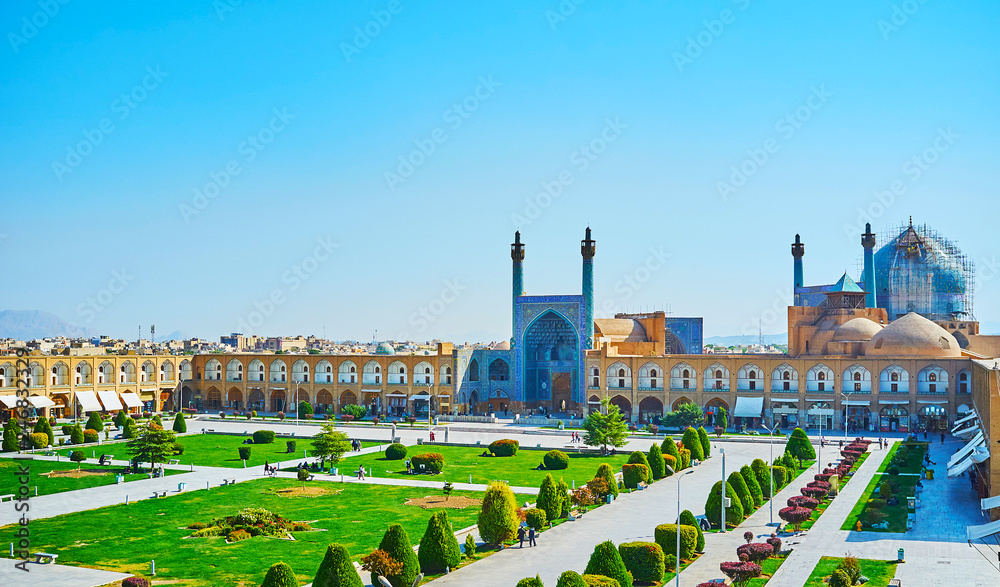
[121, 120]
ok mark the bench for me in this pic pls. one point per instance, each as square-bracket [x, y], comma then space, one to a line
[158, 494]
[7, 496]
[311, 477]
[174, 462]
[229, 481]
[49, 558]
[895, 583]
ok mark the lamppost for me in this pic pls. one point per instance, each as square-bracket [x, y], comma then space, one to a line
[844, 395]
[770, 443]
[722, 451]
[677, 552]
[297, 403]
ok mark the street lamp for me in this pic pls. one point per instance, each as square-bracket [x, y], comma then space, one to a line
[297, 403]
[677, 553]
[770, 443]
[844, 395]
[722, 451]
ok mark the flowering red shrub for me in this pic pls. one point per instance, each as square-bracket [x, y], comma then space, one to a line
[794, 515]
[775, 543]
[801, 501]
[740, 572]
[819, 485]
[822, 477]
[755, 551]
[813, 492]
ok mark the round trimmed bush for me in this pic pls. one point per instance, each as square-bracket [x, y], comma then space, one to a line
[77, 456]
[598, 581]
[555, 460]
[135, 582]
[814, 492]
[505, 447]
[90, 435]
[395, 452]
[280, 575]
[755, 551]
[639, 458]
[740, 572]
[794, 515]
[666, 536]
[570, 579]
[775, 543]
[39, 440]
[244, 453]
[644, 560]
[263, 437]
[801, 501]
[432, 462]
[536, 518]
[535, 581]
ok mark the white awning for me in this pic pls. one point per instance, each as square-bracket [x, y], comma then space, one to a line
[892, 402]
[147, 389]
[110, 400]
[594, 402]
[856, 402]
[748, 407]
[371, 391]
[961, 467]
[781, 410]
[982, 530]
[821, 412]
[87, 401]
[967, 432]
[932, 401]
[420, 396]
[978, 440]
[40, 401]
[395, 394]
[965, 419]
[131, 400]
[8, 401]
[988, 503]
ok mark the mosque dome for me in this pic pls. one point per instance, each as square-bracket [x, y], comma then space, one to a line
[503, 345]
[620, 329]
[856, 330]
[384, 348]
[913, 335]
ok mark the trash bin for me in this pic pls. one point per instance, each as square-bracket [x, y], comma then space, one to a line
[181, 486]
[333, 471]
[929, 473]
[119, 479]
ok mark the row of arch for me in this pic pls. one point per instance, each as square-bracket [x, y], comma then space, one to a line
[716, 377]
[277, 400]
[83, 373]
[497, 370]
[347, 372]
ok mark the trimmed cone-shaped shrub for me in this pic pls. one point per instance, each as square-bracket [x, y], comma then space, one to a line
[606, 561]
[688, 519]
[10, 433]
[706, 444]
[740, 486]
[180, 424]
[751, 480]
[395, 452]
[763, 476]
[668, 447]
[570, 579]
[397, 545]
[119, 418]
[470, 547]
[634, 474]
[598, 581]
[713, 506]
[337, 570]
[666, 536]
[790, 462]
[799, 446]
[604, 471]
[656, 462]
[693, 444]
[562, 489]
[94, 422]
[438, 547]
[639, 458]
[498, 516]
[780, 477]
[535, 581]
[43, 427]
[280, 575]
[644, 560]
[549, 499]
[669, 465]
[685, 458]
[555, 460]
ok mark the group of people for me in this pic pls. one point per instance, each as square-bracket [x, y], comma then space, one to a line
[576, 437]
[269, 471]
[523, 532]
[355, 445]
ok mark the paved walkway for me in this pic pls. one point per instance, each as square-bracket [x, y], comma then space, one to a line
[54, 574]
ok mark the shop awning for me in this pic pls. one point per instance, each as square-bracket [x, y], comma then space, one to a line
[147, 390]
[371, 391]
[748, 407]
[8, 401]
[131, 400]
[783, 410]
[972, 416]
[420, 396]
[978, 440]
[40, 401]
[893, 402]
[856, 402]
[395, 394]
[988, 503]
[87, 401]
[982, 530]
[977, 456]
[110, 400]
[966, 433]
[932, 401]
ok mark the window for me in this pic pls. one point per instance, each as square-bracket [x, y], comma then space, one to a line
[686, 373]
[597, 381]
[787, 386]
[686, 383]
[930, 376]
[857, 376]
[652, 383]
[753, 384]
[821, 386]
[718, 374]
[932, 388]
[894, 377]
[895, 387]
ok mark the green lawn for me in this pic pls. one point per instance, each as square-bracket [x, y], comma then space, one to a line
[878, 572]
[353, 515]
[47, 484]
[217, 450]
[767, 569]
[461, 462]
[906, 486]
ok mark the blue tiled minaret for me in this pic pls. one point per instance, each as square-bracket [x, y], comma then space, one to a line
[868, 242]
[798, 250]
[516, 255]
[588, 247]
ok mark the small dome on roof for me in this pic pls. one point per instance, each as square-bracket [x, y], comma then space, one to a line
[913, 336]
[857, 330]
[384, 348]
[620, 329]
[503, 345]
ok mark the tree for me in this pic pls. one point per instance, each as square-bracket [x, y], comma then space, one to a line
[535, 581]
[638, 458]
[77, 457]
[686, 415]
[470, 547]
[740, 486]
[668, 447]
[94, 422]
[76, 434]
[447, 489]
[397, 545]
[605, 426]
[570, 579]
[713, 506]
[605, 472]
[303, 476]
[722, 419]
[132, 429]
[180, 425]
[706, 444]
[693, 444]
[549, 499]
[280, 575]
[337, 570]
[798, 446]
[119, 419]
[438, 546]
[305, 409]
[152, 446]
[607, 561]
[43, 427]
[330, 444]
[657, 466]
[688, 519]
[563, 490]
[763, 475]
[354, 410]
[750, 478]
[498, 516]
[11, 436]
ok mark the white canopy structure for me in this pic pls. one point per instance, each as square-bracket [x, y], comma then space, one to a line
[131, 400]
[982, 532]
[970, 416]
[963, 452]
[748, 407]
[110, 400]
[40, 401]
[978, 455]
[8, 401]
[87, 401]
[988, 503]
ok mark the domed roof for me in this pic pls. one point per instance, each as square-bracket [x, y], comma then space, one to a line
[913, 335]
[384, 348]
[503, 345]
[620, 329]
[857, 330]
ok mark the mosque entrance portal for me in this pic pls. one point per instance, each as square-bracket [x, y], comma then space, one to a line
[562, 389]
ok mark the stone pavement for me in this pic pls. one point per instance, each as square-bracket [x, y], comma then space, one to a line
[55, 574]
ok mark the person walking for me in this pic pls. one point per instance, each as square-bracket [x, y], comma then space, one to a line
[267, 468]
[520, 536]
[942, 438]
[531, 537]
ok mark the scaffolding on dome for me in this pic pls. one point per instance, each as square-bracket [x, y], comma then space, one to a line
[919, 270]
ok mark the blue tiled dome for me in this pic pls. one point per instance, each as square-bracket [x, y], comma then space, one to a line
[384, 348]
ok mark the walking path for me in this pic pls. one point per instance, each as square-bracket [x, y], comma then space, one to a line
[54, 574]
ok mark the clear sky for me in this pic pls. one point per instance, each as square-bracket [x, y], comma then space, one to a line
[366, 163]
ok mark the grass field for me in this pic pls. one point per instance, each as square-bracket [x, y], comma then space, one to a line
[353, 515]
[906, 482]
[48, 485]
[767, 569]
[217, 450]
[461, 462]
[878, 572]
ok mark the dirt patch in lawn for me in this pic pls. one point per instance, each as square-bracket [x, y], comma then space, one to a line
[74, 474]
[438, 501]
[311, 491]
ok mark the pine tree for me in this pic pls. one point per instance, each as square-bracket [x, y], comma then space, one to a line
[693, 444]
[76, 434]
[740, 486]
[498, 516]
[280, 575]
[605, 426]
[763, 474]
[706, 444]
[180, 425]
[43, 427]
[337, 570]
[94, 422]
[549, 499]
[799, 446]
[438, 547]
[688, 519]
[607, 561]
[657, 466]
[721, 420]
[470, 547]
[563, 489]
[750, 478]
[398, 546]
[605, 472]
[668, 447]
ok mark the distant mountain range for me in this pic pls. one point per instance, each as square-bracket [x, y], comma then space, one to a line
[747, 339]
[31, 324]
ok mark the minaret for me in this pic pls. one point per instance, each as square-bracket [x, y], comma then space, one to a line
[868, 242]
[798, 250]
[588, 247]
[516, 255]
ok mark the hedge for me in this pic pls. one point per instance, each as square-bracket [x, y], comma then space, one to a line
[535, 581]
[740, 486]
[666, 536]
[555, 460]
[656, 462]
[688, 519]
[39, 440]
[693, 444]
[505, 447]
[536, 518]
[606, 561]
[598, 581]
[751, 480]
[395, 451]
[90, 435]
[713, 506]
[639, 458]
[633, 475]
[433, 462]
[644, 560]
[263, 437]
